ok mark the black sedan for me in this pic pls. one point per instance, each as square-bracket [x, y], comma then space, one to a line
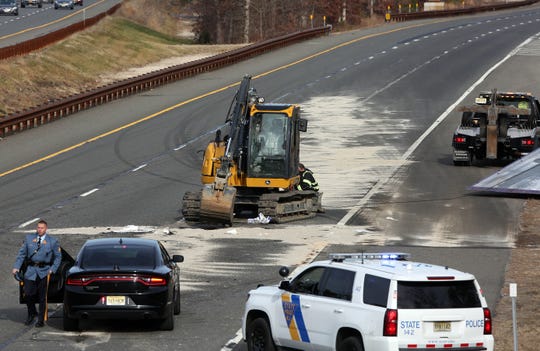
[123, 278]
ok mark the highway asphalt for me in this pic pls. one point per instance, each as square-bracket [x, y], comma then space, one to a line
[370, 96]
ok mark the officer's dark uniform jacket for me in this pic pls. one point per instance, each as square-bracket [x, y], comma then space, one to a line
[307, 181]
[47, 258]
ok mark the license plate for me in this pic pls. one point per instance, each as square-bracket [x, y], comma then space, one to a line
[116, 300]
[442, 326]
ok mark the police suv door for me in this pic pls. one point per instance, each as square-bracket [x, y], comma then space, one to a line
[324, 313]
[314, 306]
[292, 330]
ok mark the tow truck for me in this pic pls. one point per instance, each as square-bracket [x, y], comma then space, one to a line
[501, 125]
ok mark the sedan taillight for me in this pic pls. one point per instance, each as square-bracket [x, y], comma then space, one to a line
[145, 279]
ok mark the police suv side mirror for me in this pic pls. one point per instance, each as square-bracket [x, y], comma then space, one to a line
[285, 285]
[178, 258]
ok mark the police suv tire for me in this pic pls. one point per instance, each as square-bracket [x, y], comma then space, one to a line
[69, 324]
[176, 301]
[168, 322]
[351, 343]
[259, 336]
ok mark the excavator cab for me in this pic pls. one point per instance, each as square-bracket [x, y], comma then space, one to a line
[273, 142]
[254, 168]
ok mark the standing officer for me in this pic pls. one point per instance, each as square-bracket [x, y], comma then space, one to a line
[43, 254]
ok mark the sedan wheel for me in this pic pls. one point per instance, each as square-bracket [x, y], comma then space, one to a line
[168, 322]
[69, 324]
[176, 301]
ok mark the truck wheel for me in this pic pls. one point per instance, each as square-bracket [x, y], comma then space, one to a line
[259, 336]
[351, 343]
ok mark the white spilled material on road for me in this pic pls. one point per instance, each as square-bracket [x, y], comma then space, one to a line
[334, 146]
[344, 176]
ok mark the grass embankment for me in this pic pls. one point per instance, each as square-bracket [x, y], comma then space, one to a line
[83, 60]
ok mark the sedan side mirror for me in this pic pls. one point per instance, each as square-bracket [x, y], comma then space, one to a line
[178, 258]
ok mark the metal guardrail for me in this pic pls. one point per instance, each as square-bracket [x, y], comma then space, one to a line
[50, 38]
[60, 108]
[54, 110]
[399, 17]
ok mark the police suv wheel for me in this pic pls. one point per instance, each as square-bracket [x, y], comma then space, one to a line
[259, 336]
[352, 343]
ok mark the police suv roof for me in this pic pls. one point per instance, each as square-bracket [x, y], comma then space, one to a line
[396, 268]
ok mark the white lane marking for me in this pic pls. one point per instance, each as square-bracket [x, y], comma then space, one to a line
[29, 222]
[428, 131]
[89, 192]
[140, 167]
[233, 342]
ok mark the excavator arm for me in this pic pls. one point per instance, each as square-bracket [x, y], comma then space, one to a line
[217, 199]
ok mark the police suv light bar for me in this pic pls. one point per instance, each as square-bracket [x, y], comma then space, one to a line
[397, 256]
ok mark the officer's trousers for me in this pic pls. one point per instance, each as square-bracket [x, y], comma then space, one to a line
[35, 291]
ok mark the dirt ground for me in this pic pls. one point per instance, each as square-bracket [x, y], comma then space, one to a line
[523, 271]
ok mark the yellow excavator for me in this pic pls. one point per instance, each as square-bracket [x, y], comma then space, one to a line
[253, 169]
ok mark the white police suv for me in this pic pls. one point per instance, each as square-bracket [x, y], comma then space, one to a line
[372, 302]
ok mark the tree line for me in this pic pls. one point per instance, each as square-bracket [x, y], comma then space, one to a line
[244, 21]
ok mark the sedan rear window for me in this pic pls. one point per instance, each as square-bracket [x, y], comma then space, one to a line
[447, 294]
[118, 256]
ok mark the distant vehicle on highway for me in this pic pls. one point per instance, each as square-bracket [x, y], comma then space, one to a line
[63, 4]
[501, 125]
[38, 3]
[123, 278]
[78, 2]
[371, 302]
[9, 7]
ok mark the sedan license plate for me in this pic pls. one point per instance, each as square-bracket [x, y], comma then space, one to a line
[116, 300]
[442, 326]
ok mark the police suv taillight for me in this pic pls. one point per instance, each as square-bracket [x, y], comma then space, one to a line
[487, 321]
[391, 323]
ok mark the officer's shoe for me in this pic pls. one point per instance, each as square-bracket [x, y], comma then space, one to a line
[39, 324]
[29, 319]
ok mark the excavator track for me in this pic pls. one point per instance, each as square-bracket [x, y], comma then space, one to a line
[288, 207]
[280, 207]
[191, 206]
